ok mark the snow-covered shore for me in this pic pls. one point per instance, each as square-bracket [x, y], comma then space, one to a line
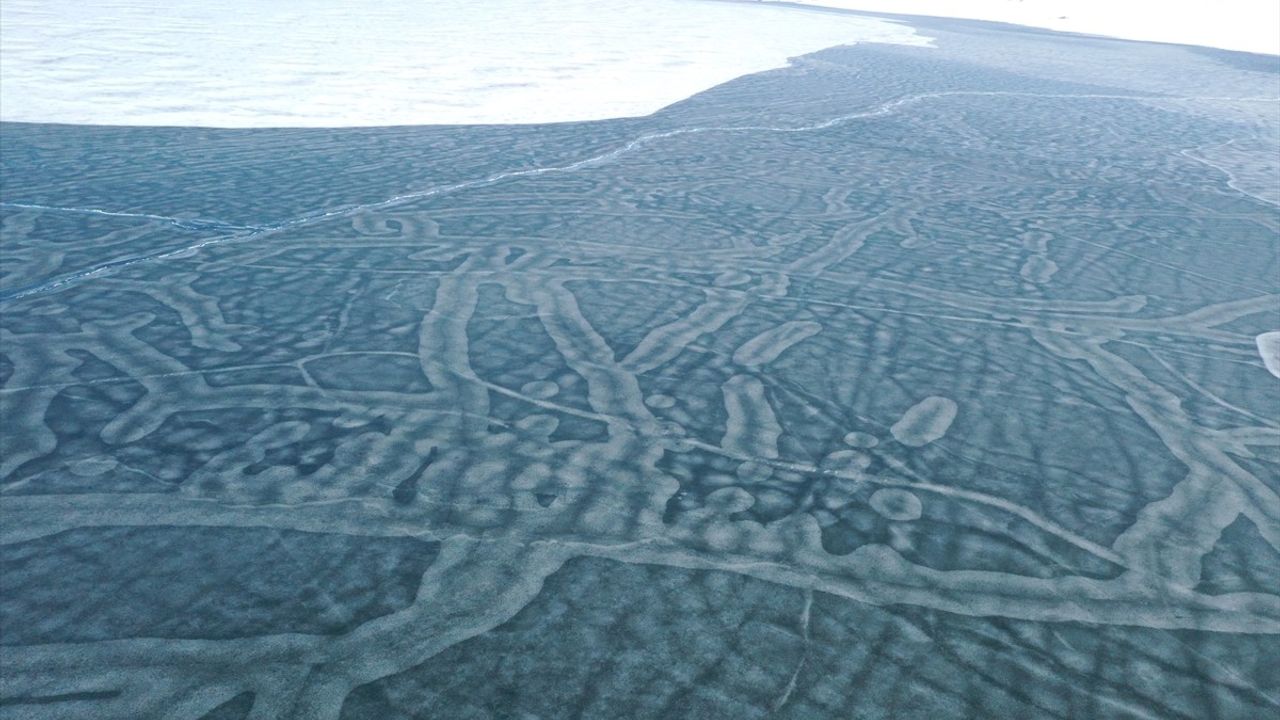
[1245, 25]
[318, 63]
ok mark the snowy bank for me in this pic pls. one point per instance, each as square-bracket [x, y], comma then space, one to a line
[1245, 25]
[318, 63]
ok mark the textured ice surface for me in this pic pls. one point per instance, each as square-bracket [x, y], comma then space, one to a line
[629, 418]
[600, 630]
[322, 63]
[202, 582]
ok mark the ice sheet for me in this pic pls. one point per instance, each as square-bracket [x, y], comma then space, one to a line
[531, 421]
[319, 63]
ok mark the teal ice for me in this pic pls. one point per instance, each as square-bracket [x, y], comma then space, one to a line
[898, 383]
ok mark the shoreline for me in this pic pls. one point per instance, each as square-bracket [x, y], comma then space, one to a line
[999, 13]
[228, 64]
[619, 72]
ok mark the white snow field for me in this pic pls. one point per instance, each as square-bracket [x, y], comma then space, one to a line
[323, 63]
[1246, 25]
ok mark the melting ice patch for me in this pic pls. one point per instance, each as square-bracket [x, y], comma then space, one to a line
[925, 421]
[325, 63]
[896, 504]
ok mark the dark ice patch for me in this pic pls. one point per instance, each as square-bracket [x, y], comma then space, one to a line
[106, 583]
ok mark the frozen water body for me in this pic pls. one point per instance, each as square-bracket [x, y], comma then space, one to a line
[320, 63]
[766, 405]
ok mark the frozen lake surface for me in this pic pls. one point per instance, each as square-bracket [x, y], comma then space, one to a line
[900, 382]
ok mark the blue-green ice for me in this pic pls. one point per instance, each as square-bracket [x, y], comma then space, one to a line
[904, 382]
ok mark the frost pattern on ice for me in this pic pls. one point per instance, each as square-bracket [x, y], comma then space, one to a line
[734, 347]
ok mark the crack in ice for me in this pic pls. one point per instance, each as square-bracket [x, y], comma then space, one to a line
[880, 110]
[183, 223]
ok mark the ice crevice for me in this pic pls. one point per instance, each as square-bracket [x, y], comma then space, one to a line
[805, 614]
[179, 222]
